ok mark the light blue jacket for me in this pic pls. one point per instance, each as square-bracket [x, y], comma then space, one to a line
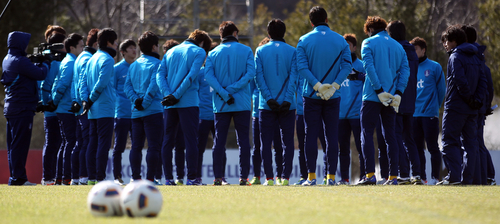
[276, 73]
[351, 93]
[386, 66]
[178, 72]
[205, 95]
[80, 69]
[100, 85]
[123, 106]
[229, 69]
[141, 83]
[323, 56]
[47, 86]
[61, 91]
[431, 88]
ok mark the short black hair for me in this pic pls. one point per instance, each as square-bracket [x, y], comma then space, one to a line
[72, 40]
[276, 28]
[56, 38]
[125, 44]
[317, 15]
[418, 41]
[351, 37]
[227, 28]
[470, 32]
[455, 33]
[92, 37]
[397, 30]
[146, 41]
[104, 36]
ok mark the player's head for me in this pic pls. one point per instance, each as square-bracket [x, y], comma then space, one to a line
[227, 28]
[454, 37]
[51, 29]
[420, 46]
[470, 32]
[397, 30]
[72, 43]
[128, 48]
[106, 36]
[202, 38]
[92, 37]
[318, 15]
[374, 23]
[350, 38]
[276, 29]
[148, 42]
[169, 44]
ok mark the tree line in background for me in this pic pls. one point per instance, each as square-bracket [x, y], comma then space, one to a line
[424, 18]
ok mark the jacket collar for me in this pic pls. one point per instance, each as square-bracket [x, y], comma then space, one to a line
[90, 49]
[229, 38]
[422, 59]
[321, 24]
[110, 51]
[192, 41]
[152, 54]
[278, 39]
[375, 32]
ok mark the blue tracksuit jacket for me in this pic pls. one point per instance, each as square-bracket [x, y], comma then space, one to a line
[386, 66]
[465, 78]
[123, 106]
[61, 91]
[80, 69]
[489, 81]
[47, 84]
[141, 83]
[276, 73]
[323, 56]
[205, 95]
[20, 76]
[351, 92]
[229, 69]
[407, 105]
[431, 88]
[100, 85]
[178, 72]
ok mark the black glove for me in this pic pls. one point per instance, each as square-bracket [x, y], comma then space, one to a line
[231, 100]
[86, 106]
[474, 103]
[273, 104]
[75, 107]
[50, 107]
[138, 104]
[284, 108]
[40, 107]
[169, 100]
[489, 112]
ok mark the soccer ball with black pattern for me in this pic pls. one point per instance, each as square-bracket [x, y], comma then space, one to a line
[141, 199]
[104, 199]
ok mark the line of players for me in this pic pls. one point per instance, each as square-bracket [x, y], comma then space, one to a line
[195, 90]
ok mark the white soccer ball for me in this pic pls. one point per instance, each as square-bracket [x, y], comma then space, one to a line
[104, 199]
[141, 199]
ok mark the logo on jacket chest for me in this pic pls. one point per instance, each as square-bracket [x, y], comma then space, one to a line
[427, 73]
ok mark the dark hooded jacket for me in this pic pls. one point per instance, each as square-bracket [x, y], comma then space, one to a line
[489, 81]
[408, 98]
[20, 77]
[465, 79]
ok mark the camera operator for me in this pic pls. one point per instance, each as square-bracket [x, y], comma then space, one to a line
[20, 77]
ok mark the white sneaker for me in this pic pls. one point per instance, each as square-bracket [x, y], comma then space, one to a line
[75, 182]
[48, 182]
[83, 180]
[119, 181]
[432, 181]
[381, 181]
[27, 183]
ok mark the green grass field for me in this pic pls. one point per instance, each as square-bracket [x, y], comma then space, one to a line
[277, 204]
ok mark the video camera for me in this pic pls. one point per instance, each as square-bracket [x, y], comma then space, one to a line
[47, 52]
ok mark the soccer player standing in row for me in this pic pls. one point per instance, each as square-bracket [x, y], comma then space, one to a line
[350, 107]
[465, 91]
[404, 115]
[147, 118]
[431, 88]
[386, 66]
[324, 60]
[177, 79]
[98, 99]
[123, 107]
[276, 80]
[61, 96]
[229, 69]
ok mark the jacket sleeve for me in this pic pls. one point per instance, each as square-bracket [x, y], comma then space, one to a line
[403, 73]
[161, 78]
[345, 65]
[212, 80]
[260, 81]
[440, 84]
[366, 54]
[128, 88]
[32, 71]
[482, 87]
[106, 73]
[303, 65]
[152, 88]
[82, 84]
[47, 86]
[64, 81]
[245, 79]
[292, 81]
[458, 76]
[491, 90]
[191, 76]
